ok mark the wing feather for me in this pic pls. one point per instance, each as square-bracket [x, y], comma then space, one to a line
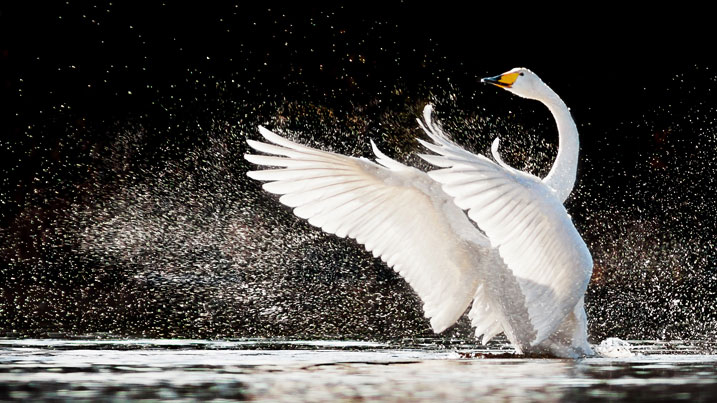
[398, 213]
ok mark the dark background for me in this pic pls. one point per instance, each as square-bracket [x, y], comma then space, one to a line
[124, 207]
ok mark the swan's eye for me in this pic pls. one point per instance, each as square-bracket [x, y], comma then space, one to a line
[522, 74]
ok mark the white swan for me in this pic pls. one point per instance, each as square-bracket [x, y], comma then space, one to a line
[515, 254]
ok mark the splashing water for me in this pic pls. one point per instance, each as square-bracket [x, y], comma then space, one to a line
[612, 347]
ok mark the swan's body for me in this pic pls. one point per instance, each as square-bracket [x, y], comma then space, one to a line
[525, 267]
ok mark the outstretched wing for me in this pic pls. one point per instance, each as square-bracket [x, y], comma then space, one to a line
[395, 211]
[524, 220]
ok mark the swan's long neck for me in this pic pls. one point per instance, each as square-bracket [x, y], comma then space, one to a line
[561, 177]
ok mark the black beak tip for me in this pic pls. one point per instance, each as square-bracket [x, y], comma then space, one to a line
[490, 80]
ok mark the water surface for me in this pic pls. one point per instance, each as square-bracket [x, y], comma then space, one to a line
[291, 370]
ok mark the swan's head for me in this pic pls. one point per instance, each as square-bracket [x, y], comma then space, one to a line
[520, 81]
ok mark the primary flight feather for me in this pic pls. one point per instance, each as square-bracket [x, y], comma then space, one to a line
[525, 268]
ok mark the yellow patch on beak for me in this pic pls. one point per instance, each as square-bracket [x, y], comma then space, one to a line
[507, 80]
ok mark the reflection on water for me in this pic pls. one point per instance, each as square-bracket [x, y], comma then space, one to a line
[280, 370]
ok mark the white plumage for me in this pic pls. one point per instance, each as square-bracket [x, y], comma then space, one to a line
[525, 267]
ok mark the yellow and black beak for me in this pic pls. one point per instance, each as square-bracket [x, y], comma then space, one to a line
[503, 81]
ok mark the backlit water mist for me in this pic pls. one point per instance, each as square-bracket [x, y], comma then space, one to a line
[157, 234]
[126, 209]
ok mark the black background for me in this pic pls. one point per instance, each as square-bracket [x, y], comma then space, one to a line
[101, 98]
